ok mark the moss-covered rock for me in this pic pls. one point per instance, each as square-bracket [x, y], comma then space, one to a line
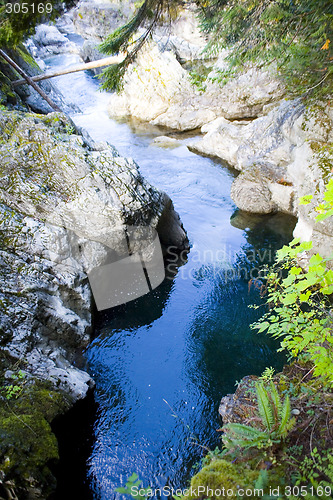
[221, 479]
[27, 443]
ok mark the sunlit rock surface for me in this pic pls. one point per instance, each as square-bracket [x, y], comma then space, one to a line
[157, 89]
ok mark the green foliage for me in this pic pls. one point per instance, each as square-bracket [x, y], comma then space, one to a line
[316, 471]
[299, 300]
[112, 77]
[198, 79]
[120, 38]
[298, 312]
[16, 26]
[13, 390]
[134, 488]
[275, 419]
[325, 209]
[124, 38]
[295, 35]
[267, 374]
[328, 472]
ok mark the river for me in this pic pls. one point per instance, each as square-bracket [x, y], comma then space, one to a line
[162, 363]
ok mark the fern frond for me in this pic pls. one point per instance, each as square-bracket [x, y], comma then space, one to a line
[285, 417]
[242, 430]
[276, 403]
[264, 407]
[243, 436]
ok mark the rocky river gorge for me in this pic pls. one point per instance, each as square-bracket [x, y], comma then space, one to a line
[159, 364]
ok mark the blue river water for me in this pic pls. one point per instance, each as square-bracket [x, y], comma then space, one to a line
[162, 362]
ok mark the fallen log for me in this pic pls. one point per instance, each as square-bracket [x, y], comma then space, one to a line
[29, 80]
[73, 69]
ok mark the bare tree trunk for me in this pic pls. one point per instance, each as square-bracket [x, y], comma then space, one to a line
[29, 80]
[80, 67]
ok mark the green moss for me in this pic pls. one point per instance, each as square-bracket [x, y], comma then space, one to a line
[221, 474]
[35, 153]
[27, 57]
[27, 443]
[6, 93]
[323, 153]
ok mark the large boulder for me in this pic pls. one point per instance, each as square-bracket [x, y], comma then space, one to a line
[65, 204]
[151, 85]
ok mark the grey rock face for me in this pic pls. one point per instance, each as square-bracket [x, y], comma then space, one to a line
[48, 40]
[96, 20]
[62, 200]
[45, 311]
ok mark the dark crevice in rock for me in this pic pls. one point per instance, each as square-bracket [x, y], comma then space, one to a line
[74, 432]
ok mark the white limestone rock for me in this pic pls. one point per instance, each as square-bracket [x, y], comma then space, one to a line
[157, 89]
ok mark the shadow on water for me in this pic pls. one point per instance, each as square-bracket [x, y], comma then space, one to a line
[137, 313]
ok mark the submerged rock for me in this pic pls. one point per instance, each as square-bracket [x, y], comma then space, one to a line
[163, 141]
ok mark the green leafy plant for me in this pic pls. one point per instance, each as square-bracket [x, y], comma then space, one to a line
[13, 390]
[134, 488]
[298, 314]
[325, 209]
[267, 374]
[275, 420]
